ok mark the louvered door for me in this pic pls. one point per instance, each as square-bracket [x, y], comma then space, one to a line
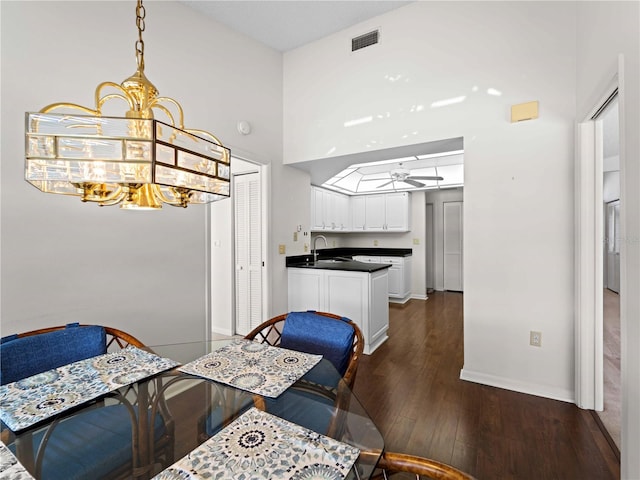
[248, 251]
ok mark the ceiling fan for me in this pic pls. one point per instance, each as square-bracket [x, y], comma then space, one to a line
[402, 174]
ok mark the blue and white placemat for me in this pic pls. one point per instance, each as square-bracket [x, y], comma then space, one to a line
[258, 445]
[255, 367]
[10, 468]
[32, 399]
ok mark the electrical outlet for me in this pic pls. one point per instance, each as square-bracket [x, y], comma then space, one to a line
[295, 236]
[375, 243]
[416, 241]
[306, 247]
[535, 339]
[281, 249]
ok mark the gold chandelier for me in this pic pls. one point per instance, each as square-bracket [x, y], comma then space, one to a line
[134, 161]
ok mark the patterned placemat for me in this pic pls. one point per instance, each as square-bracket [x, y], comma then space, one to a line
[32, 399]
[258, 445]
[10, 468]
[255, 367]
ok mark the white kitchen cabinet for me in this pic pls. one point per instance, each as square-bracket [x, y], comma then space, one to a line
[399, 278]
[397, 209]
[399, 281]
[329, 210]
[375, 215]
[317, 209]
[359, 296]
[387, 212]
[358, 212]
[333, 211]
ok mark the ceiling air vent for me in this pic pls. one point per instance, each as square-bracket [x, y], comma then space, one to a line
[365, 40]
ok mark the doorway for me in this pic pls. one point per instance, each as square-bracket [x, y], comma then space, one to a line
[610, 415]
[598, 386]
[452, 244]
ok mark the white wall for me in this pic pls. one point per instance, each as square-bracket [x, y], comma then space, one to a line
[64, 261]
[518, 216]
[605, 30]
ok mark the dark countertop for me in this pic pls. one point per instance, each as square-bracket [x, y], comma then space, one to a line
[350, 265]
[374, 251]
[343, 255]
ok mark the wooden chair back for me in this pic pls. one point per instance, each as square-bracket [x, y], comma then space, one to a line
[399, 465]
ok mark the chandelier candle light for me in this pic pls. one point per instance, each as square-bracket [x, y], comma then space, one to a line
[134, 161]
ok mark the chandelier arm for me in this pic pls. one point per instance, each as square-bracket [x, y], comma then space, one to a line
[164, 199]
[110, 96]
[54, 106]
[125, 95]
[167, 112]
[157, 102]
[113, 198]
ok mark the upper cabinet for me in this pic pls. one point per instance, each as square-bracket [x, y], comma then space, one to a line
[332, 211]
[329, 211]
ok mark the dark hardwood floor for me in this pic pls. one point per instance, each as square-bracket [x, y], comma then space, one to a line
[411, 388]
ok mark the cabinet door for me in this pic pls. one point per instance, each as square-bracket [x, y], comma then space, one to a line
[317, 209]
[395, 281]
[348, 295]
[397, 212]
[374, 212]
[358, 212]
[342, 213]
[306, 290]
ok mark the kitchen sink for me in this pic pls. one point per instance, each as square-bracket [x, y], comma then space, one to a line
[334, 260]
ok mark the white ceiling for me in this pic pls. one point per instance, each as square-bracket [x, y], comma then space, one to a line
[285, 25]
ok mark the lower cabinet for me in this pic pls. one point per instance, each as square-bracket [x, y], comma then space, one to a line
[359, 296]
[399, 275]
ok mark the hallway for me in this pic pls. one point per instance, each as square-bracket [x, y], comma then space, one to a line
[411, 388]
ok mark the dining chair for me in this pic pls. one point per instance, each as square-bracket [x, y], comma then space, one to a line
[399, 465]
[337, 338]
[316, 401]
[102, 439]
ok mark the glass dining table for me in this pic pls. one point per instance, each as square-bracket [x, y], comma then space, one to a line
[185, 411]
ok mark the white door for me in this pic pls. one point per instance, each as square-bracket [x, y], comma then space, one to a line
[613, 246]
[430, 247]
[453, 246]
[248, 251]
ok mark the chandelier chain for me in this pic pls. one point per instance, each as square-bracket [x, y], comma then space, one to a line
[141, 13]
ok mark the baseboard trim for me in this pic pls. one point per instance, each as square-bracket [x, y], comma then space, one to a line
[416, 296]
[222, 331]
[561, 394]
[606, 434]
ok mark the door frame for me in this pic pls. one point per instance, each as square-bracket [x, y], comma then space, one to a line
[262, 171]
[589, 254]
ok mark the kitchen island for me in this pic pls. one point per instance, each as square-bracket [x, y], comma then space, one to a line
[356, 290]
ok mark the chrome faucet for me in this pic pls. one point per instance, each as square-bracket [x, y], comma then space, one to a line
[315, 248]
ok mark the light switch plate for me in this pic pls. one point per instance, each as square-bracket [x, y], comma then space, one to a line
[281, 249]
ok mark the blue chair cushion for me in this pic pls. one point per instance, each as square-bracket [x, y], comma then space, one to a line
[89, 445]
[312, 333]
[26, 356]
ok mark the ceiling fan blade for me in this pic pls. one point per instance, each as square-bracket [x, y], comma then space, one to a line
[425, 177]
[385, 184]
[413, 182]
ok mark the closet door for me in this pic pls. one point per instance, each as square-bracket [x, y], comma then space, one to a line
[453, 246]
[248, 252]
